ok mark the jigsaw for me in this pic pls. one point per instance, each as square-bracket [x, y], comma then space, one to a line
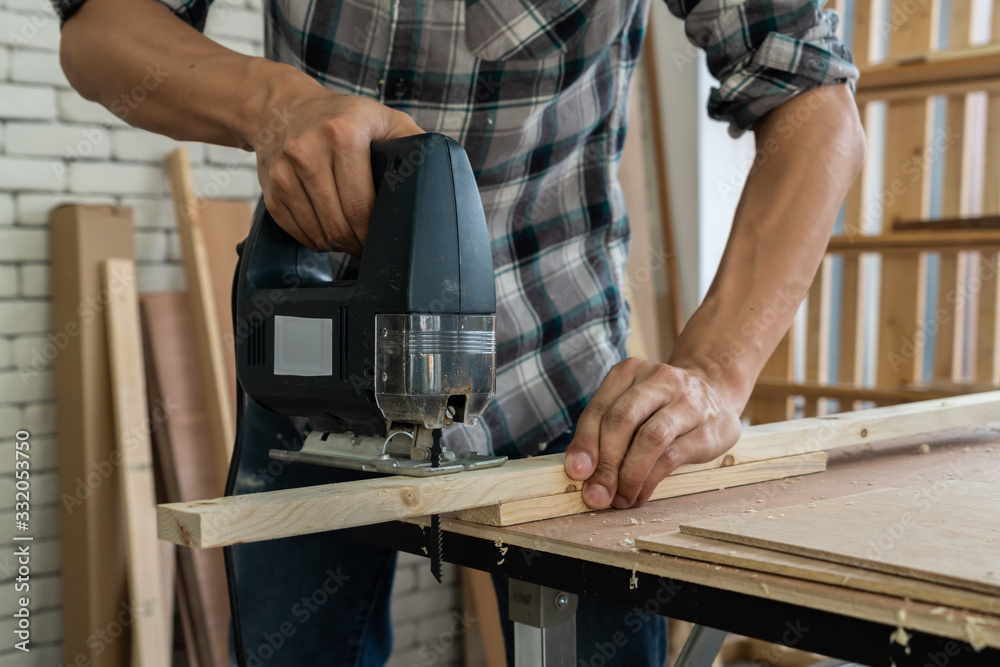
[382, 363]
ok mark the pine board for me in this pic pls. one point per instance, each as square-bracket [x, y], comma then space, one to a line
[945, 533]
[565, 504]
[676, 543]
[150, 646]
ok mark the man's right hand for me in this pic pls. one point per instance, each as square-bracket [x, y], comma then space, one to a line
[315, 170]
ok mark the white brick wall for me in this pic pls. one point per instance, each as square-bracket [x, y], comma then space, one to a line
[57, 148]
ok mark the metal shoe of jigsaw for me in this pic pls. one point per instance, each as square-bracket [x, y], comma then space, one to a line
[382, 363]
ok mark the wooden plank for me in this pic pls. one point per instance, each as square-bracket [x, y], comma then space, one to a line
[197, 270]
[780, 366]
[674, 296]
[939, 533]
[485, 646]
[908, 133]
[643, 262]
[971, 65]
[818, 323]
[183, 445]
[150, 647]
[571, 502]
[274, 514]
[850, 393]
[90, 517]
[226, 223]
[910, 242]
[986, 363]
[959, 223]
[676, 543]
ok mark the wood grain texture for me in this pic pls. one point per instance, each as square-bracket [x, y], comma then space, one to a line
[90, 525]
[150, 647]
[184, 450]
[198, 272]
[274, 514]
[942, 534]
[565, 504]
[676, 543]
[972, 452]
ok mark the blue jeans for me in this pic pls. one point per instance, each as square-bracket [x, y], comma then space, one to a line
[322, 600]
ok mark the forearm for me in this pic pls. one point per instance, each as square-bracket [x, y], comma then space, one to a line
[156, 72]
[809, 152]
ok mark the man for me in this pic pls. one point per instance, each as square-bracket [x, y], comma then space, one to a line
[535, 90]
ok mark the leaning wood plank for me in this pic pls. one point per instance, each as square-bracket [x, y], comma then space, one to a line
[218, 401]
[940, 533]
[676, 543]
[184, 449]
[90, 516]
[565, 504]
[149, 641]
[275, 514]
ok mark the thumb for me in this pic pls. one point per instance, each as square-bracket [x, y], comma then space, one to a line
[582, 453]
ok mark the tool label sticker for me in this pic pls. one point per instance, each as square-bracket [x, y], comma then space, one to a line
[303, 346]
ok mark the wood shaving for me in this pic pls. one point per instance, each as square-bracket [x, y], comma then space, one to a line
[974, 633]
[923, 449]
[966, 450]
[633, 521]
[627, 542]
[633, 581]
[767, 591]
[937, 611]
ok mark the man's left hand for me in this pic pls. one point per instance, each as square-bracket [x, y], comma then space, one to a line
[645, 420]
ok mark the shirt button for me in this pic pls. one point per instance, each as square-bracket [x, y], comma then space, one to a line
[401, 89]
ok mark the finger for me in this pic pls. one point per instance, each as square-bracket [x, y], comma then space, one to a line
[322, 190]
[651, 444]
[286, 188]
[352, 170]
[676, 454]
[618, 428]
[582, 451]
[286, 220]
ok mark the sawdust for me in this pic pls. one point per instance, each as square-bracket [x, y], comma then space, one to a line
[633, 521]
[900, 635]
[633, 581]
[924, 449]
[627, 542]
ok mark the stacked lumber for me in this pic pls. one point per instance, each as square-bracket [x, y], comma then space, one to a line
[932, 543]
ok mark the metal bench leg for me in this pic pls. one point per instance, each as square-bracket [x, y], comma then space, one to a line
[701, 647]
[544, 625]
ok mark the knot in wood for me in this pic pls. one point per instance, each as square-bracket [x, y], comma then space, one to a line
[410, 496]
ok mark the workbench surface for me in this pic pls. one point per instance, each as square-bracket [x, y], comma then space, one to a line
[593, 554]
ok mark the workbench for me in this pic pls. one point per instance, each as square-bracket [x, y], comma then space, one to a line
[591, 554]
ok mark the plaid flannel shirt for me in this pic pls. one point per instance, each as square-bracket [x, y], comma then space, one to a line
[536, 92]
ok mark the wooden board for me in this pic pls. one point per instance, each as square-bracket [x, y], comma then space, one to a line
[274, 514]
[676, 543]
[197, 270]
[941, 534]
[183, 446]
[150, 647]
[90, 518]
[225, 223]
[535, 509]
[602, 537]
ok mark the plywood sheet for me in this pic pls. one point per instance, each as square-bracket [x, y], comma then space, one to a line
[183, 445]
[946, 532]
[676, 543]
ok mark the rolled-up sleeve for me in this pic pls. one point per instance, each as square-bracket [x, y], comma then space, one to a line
[192, 11]
[764, 52]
